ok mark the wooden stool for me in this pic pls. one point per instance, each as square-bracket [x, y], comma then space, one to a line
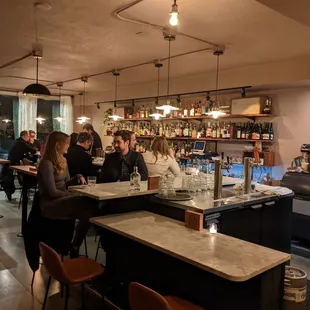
[69, 272]
[141, 298]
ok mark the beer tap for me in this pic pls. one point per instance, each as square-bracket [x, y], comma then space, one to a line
[220, 165]
[249, 163]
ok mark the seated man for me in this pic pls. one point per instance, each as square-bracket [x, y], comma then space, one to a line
[79, 161]
[33, 142]
[20, 150]
[119, 165]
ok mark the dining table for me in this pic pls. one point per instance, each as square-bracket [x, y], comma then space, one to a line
[29, 174]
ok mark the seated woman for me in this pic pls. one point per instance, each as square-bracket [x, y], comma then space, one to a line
[55, 200]
[161, 159]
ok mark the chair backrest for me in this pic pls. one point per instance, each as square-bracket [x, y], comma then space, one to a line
[53, 264]
[142, 297]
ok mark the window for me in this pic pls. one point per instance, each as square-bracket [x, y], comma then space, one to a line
[6, 123]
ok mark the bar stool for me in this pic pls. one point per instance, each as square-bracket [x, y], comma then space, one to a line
[142, 297]
[70, 272]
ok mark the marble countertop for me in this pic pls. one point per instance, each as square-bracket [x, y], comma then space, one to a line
[227, 257]
[203, 202]
[107, 191]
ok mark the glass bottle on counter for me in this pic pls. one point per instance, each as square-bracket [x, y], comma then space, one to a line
[135, 180]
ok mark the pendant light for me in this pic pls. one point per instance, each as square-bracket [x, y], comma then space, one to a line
[215, 112]
[158, 65]
[40, 120]
[174, 14]
[6, 120]
[59, 85]
[82, 119]
[115, 116]
[81, 109]
[167, 108]
[36, 89]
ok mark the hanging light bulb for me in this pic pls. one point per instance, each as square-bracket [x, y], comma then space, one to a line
[84, 118]
[167, 108]
[174, 14]
[40, 120]
[158, 65]
[115, 117]
[60, 85]
[215, 111]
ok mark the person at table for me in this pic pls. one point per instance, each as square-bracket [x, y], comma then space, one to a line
[56, 201]
[73, 138]
[119, 165]
[97, 144]
[79, 161]
[161, 159]
[33, 142]
[133, 140]
[20, 150]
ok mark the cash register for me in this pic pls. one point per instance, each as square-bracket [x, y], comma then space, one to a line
[202, 151]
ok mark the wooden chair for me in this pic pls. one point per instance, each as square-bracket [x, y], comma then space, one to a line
[70, 272]
[142, 297]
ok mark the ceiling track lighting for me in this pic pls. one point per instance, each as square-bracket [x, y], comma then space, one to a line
[243, 93]
[174, 14]
[82, 119]
[115, 116]
[167, 108]
[215, 112]
[59, 118]
[158, 65]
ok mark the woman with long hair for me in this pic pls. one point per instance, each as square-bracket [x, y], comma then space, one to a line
[56, 201]
[161, 159]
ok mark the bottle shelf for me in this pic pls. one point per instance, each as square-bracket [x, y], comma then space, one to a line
[251, 116]
[209, 139]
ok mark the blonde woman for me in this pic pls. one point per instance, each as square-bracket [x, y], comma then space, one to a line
[161, 159]
[56, 201]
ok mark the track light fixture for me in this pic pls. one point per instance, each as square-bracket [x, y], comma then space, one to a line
[174, 14]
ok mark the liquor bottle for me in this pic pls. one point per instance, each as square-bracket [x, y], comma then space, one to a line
[190, 129]
[214, 131]
[243, 130]
[224, 135]
[185, 131]
[147, 111]
[247, 131]
[271, 134]
[218, 131]
[183, 149]
[203, 108]
[181, 129]
[192, 110]
[203, 131]
[221, 130]
[185, 111]
[199, 108]
[194, 132]
[209, 130]
[177, 130]
[135, 180]
[265, 135]
[138, 113]
[259, 131]
[160, 131]
[228, 135]
[142, 112]
[238, 130]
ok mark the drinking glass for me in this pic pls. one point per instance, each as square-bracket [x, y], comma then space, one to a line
[91, 181]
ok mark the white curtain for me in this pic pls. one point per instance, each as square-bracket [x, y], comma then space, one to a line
[27, 113]
[66, 111]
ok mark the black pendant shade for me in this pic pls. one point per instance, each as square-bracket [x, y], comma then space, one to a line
[36, 89]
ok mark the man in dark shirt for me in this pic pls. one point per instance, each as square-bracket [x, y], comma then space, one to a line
[20, 150]
[119, 165]
[79, 161]
[97, 144]
[33, 142]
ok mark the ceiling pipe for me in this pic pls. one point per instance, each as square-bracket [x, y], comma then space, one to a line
[177, 95]
[138, 65]
[12, 62]
[158, 27]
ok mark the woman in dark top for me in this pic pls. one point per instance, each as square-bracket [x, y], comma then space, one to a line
[55, 200]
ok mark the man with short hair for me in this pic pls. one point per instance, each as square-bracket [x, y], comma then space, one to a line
[33, 142]
[20, 150]
[79, 161]
[119, 165]
[97, 144]
[133, 140]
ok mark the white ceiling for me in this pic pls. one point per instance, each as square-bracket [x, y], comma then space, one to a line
[83, 37]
